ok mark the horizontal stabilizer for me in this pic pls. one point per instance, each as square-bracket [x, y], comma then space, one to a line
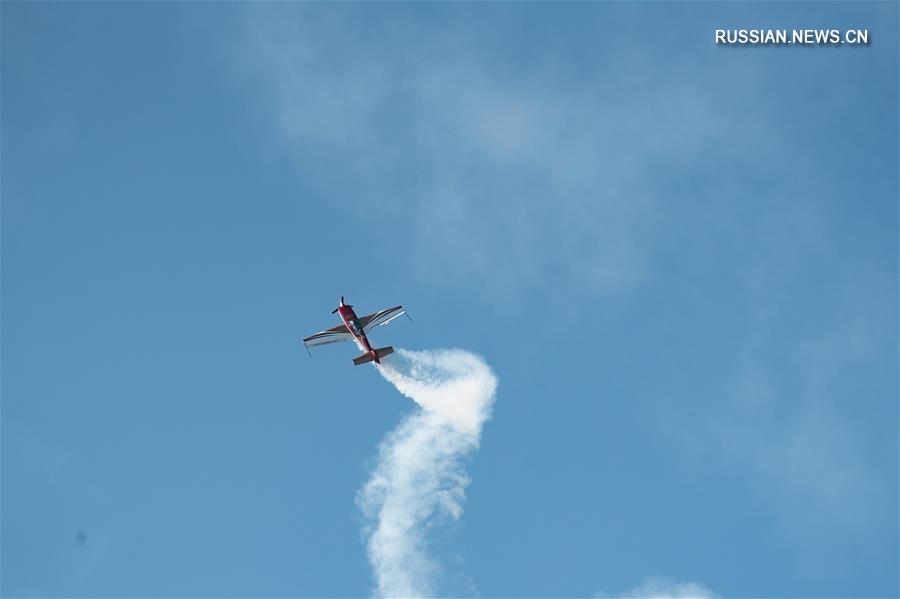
[362, 359]
[367, 357]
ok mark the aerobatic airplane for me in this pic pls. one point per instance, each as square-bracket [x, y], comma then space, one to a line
[356, 328]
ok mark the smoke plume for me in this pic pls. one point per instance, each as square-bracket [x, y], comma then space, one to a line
[420, 479]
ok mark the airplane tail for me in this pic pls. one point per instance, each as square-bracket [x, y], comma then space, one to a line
[367, 357]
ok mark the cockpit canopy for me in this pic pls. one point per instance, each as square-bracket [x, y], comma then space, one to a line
[354, 324]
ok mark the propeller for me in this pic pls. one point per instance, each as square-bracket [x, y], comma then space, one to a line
[341, 304]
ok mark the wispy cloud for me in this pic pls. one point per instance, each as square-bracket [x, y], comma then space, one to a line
[518, 172]
[420, 479]
[658, 587]
[802, 410]
[663, 588]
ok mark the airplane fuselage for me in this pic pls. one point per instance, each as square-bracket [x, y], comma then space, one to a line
[352, 323]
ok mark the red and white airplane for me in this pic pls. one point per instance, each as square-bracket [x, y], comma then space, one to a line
[356, 328]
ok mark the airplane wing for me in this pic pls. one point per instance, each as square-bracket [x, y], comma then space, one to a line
[333, 335]
[377, 319]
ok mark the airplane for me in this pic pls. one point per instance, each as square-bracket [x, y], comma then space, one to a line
[356, 328]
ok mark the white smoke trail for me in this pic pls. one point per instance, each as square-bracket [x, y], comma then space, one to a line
[419, 478]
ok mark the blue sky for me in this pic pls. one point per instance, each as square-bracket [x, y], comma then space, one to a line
[679, 259]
